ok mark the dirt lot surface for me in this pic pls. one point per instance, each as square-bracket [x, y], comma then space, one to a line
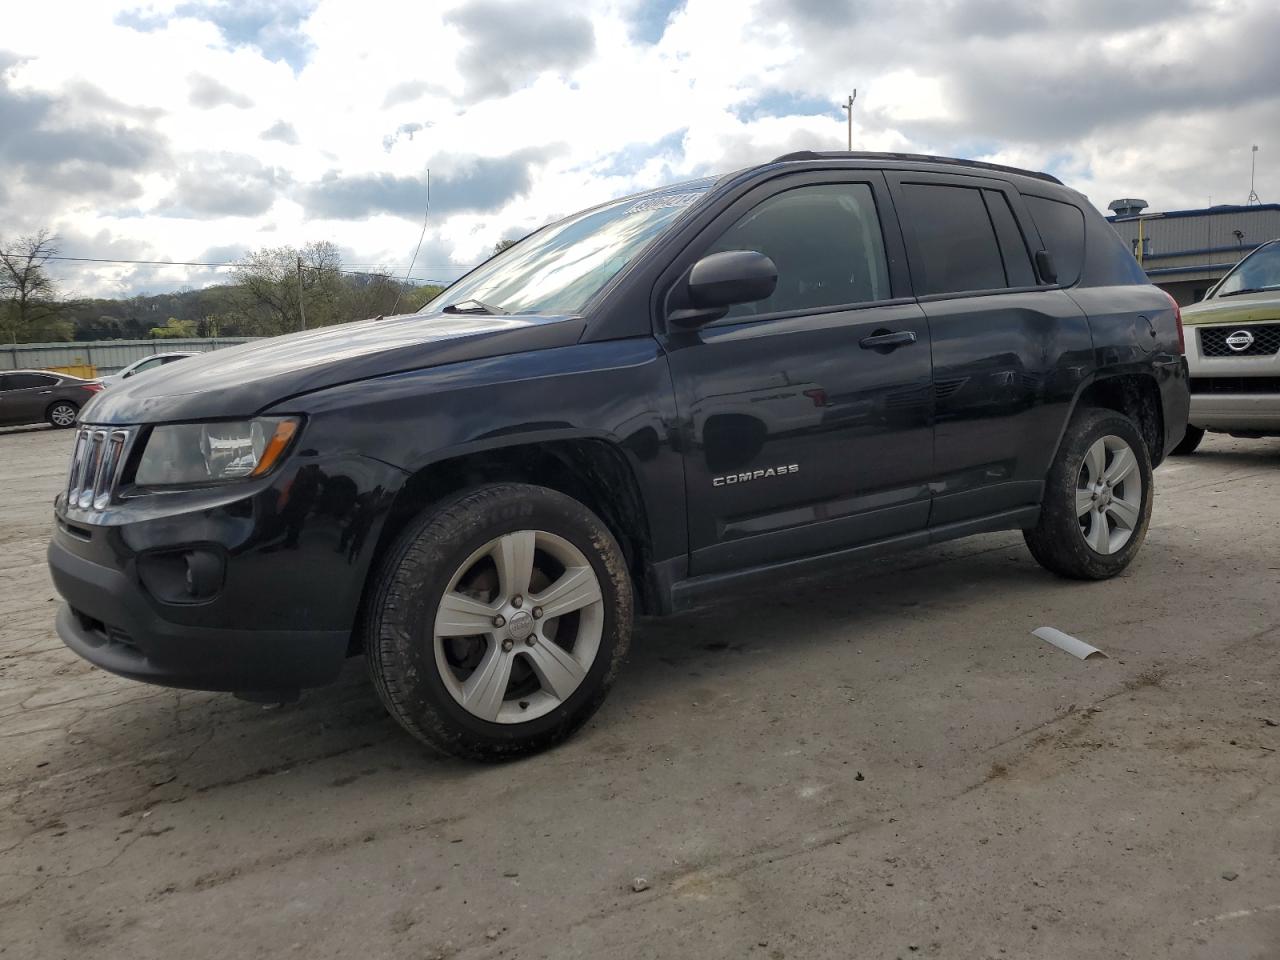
[879, 763]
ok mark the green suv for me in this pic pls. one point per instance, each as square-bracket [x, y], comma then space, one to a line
[1233, 349]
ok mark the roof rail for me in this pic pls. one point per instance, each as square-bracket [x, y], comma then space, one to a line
[911, 158]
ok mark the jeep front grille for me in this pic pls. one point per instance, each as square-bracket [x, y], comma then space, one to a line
[1266, 340]
[96, 463]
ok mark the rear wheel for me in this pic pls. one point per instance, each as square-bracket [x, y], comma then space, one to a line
[1190, 440]
[498, 622]
[1097, 499]
[62, 414]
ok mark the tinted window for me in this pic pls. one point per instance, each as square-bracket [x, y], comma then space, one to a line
[25, 381]
[147, 365]
[1061, 227]
[824, 239]
[1017, 261]
[955, 237]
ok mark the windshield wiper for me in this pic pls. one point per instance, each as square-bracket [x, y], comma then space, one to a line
[1236, 293]
[473, 306]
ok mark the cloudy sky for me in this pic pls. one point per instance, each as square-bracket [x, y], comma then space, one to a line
[198, 130]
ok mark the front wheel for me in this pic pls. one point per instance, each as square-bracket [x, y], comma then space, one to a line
[1097, 499]
[62, 414]
[498, 622]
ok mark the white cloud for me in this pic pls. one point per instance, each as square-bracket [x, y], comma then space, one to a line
[169, 129]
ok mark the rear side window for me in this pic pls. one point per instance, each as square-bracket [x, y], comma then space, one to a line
[826, 242]
[1017, 261]
[955, 237]
[26, 381]
[1061, 227]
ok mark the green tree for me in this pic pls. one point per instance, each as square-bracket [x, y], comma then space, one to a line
[502, 245]
[174, 329]
[31, 310]
[281, 287]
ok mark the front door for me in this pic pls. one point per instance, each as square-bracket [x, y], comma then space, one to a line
[806, 416]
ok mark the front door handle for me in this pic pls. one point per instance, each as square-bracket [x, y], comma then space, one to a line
[886, 340]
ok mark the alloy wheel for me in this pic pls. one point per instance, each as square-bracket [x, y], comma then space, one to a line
[63, 414]
[519, 626]
[1109, 494]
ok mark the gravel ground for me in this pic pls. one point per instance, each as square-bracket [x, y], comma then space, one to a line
[879, 763]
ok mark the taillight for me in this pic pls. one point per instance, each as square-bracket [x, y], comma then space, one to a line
[93, 387]
[1177, 319]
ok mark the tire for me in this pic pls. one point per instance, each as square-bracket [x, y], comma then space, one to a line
[461, 670]
[1190, 440]
[1115, 514]
[62, 414]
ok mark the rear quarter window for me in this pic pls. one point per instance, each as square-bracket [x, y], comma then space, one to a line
[1061, 227]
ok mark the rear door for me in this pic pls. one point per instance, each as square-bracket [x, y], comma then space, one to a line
[805, 433]
[1008, 350]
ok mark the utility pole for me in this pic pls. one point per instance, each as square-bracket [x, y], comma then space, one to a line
[302, 310]
[1253, 170]
[847, 107]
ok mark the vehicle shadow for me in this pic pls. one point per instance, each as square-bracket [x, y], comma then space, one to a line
[204, 741]
[29, 428]
[1263, 452]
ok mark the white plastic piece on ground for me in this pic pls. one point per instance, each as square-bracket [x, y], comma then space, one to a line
[1064, 641]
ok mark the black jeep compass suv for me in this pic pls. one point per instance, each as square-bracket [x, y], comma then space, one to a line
[823, 357]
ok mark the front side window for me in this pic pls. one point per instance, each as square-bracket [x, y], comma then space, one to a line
[824, 239]
[955, 238]
[145, 365]
[1258, 271]
[561, 267]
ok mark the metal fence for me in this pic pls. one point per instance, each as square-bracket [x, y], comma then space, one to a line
[102, 356]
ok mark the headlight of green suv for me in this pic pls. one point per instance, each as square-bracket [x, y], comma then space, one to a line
[185, 453]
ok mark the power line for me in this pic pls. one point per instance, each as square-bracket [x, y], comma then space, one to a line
[231, 263]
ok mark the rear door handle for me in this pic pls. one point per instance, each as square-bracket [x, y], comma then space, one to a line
[886, 340]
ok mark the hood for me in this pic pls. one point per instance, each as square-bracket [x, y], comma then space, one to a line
[1258, 307]
[243, 380]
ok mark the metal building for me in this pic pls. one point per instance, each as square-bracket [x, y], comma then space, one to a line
[98, 357]
[1188, 251]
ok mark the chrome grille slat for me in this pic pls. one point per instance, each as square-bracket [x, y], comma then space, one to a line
[73, 475]
[97, 461]
[92, 463]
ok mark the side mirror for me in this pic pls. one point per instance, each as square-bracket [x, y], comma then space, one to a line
[1045, 266]
[720, 280]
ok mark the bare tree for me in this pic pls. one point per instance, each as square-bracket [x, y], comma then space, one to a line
[30, 295]
[277, 284]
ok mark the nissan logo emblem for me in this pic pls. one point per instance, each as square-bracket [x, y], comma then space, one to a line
[1240, 341]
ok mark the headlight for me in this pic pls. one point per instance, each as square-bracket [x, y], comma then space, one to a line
[204, 452]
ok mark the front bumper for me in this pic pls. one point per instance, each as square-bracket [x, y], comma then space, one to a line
[288, 556]
[1240, 412]
[110, 622]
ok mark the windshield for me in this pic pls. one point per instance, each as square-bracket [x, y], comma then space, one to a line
[1260, 270]
[561, 267]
